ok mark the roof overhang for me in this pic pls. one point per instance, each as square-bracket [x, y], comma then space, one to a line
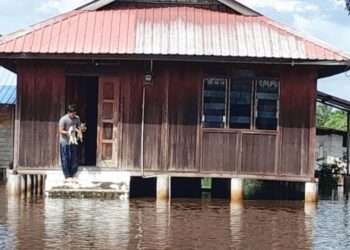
[325, 68]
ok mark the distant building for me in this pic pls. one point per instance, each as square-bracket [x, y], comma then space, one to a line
[7, 109]
[331, 146]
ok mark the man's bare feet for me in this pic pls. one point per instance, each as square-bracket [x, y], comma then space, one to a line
[69, 179]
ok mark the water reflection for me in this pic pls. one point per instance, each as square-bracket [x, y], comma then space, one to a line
[184, 224]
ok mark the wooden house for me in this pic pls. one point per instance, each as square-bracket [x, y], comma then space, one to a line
[178, 88]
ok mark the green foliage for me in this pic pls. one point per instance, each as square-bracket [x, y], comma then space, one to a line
[328, 117]
[323, 114]
[206, 183]
[328, 175]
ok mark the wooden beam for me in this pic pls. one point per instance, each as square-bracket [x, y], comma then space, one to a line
[240, 8]
[95, 5]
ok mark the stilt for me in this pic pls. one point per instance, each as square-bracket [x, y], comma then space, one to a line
[35, 184]
[3, 174]
[29, 184]
[346, 183]
[13, 184]
[237, 189]
[23, 183]
[311, 192]
[40, 184]
[43, 183]
[163, 187]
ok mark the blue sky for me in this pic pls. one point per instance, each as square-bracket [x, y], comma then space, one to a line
[323, 19]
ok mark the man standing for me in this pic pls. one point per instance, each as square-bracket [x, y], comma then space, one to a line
[69, 152]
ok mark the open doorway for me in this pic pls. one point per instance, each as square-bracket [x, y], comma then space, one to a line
[83, 91]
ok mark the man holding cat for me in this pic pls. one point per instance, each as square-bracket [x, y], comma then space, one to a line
[69, 152]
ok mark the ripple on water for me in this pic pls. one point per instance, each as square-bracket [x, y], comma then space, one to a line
[183, 224]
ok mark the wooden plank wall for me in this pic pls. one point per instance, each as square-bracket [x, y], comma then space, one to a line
[258, 153]
[171, 117]
[174, 139]
[131, 79]
[155, 120]
[41, 104]
[220, 152]
[298, 121]
[183, 116]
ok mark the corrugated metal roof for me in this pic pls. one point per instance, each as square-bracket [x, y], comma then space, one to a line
[168, 31]
[8, 81]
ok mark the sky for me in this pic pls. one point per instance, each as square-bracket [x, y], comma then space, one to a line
[325, 20]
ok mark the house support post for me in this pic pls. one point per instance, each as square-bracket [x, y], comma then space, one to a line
[40, 184]
[311, 192]
[13, 184]
[348, 146]
[29, 184]
[237, 193]
[163, 182]
[35, 184]
[23, 183]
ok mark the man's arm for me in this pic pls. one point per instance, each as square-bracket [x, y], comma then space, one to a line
[62, 131]
[61, 126]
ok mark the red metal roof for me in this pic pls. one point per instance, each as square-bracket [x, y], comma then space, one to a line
[167, 31]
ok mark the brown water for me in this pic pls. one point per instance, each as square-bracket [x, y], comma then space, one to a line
[40, 223]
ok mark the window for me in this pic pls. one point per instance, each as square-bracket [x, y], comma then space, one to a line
[240, 103]
[266, 111]
[243, 103]
[214, 103]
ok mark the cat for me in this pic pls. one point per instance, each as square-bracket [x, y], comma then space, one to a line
[81, 129]
[76, 134]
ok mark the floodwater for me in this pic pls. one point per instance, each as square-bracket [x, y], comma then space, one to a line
[42, 223]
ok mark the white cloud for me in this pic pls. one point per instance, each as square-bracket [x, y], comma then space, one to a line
[286, 6]
[338, 85]
[324, 29]
[60, 6]
[337, 3]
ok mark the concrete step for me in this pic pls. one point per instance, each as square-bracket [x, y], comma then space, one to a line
[90, 184]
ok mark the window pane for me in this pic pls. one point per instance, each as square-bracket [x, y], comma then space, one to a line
[214, 103]
[267, 91]
[240, 103]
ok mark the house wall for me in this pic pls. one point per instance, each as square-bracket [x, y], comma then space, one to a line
[40, 103]
[6, 135]
[174, 140]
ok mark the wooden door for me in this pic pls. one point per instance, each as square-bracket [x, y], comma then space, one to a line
[108, 117]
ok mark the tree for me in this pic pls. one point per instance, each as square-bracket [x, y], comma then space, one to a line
[337, 120]
[323, 114]
[347, 3]
[328, 117]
